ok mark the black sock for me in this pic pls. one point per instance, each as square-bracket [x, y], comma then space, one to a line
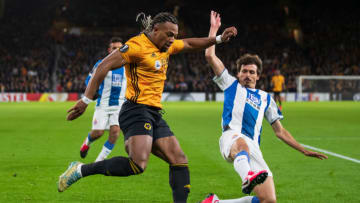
[179, 179]
[116, 166]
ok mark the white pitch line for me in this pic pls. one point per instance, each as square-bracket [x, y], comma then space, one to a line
[332, 153]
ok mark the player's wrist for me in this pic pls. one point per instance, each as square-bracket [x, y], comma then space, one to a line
[86, 100]
[218, 39]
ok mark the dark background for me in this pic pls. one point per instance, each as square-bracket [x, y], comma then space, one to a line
[40, 51]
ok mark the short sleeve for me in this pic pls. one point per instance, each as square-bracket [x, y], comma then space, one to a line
[272, 112]
[224, 80]
[130, 51]
[176, 47]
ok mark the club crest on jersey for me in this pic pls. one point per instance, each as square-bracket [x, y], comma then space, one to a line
[253, 101]
[157, 64]
[124, 48]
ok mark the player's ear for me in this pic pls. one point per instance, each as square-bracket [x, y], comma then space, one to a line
[156, 27]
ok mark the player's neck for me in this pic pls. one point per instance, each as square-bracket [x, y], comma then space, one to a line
[151, 38]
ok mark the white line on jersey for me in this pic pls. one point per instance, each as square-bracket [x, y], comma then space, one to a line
[332, 153]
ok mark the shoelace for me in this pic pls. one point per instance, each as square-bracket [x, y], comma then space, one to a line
[73, 178]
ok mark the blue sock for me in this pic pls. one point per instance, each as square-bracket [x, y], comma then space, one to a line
[255, 200]
[109, 145]
[243, 152]
[89, 138]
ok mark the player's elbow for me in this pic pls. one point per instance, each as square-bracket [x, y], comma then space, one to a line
[209, 56]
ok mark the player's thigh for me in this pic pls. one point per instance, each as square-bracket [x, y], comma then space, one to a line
[266, 191]
[100, 119]
[169, 150]
[166, 143]
[139, 149]
[230, 142]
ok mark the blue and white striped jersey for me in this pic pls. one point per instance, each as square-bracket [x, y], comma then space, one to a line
[112, 89]
[245, 108]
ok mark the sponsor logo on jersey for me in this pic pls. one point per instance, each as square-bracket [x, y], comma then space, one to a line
[157, 65]
[253, 101]
[116, 80]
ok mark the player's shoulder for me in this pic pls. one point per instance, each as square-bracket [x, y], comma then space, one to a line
[136, 41]
[263, 92]
[98, 62]
[96, 65]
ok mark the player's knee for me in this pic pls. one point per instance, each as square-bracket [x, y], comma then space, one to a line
[141, 160]
[141, 166]
[238, 146]
[97, 133]
[178, 157]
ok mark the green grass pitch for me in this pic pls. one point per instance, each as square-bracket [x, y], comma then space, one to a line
[37, 144]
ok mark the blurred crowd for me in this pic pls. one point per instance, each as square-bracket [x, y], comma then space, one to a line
[35, 57]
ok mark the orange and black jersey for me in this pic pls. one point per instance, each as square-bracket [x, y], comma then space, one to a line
[278, 82]
[146, 69]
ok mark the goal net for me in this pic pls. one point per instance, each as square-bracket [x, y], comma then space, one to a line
[330, 87]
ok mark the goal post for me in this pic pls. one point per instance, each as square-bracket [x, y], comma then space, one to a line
[335, 87]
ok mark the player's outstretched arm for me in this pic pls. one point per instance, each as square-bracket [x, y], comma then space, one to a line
[215, 63]
[286, 137]
[197, 44]
[112, 61]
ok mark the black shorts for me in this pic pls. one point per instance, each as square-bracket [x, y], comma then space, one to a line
[277, 94]
[141, 119]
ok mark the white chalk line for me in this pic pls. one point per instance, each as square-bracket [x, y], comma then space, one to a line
[331, 153]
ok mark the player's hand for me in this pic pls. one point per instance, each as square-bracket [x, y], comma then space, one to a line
[228, 34]
[76, 111]
[215, 20]
[315, 154]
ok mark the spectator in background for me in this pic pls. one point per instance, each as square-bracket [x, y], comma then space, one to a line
[278, 85]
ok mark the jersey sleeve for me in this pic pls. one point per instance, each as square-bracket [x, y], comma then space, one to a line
[176, 47]
[272, 112]
[224, 80]
[130, 51]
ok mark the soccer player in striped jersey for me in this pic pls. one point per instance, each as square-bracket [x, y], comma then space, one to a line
[111, 96]
[243, 113]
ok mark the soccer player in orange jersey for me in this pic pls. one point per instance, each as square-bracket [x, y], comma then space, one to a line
[145, 58]
[278, 84]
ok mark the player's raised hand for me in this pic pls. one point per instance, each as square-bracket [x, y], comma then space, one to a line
[76, 111]
[215, 20]
[315, 154]
[228, 34]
